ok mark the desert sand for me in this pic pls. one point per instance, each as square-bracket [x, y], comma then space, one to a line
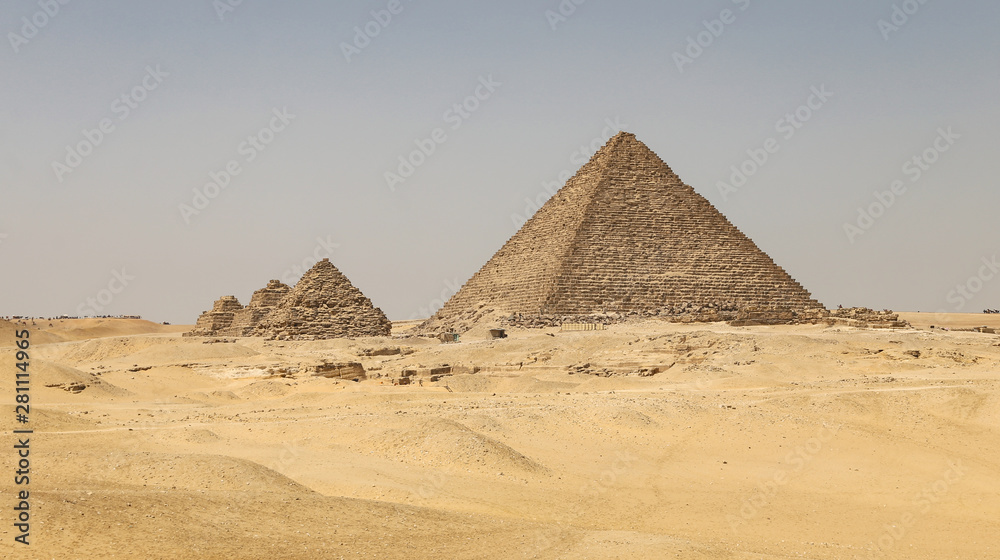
[646, 440]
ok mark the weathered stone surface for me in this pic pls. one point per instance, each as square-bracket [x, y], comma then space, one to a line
[324, 304]
[352, 371]
[218, 319]
[270, 295]
[624, 236]
[863, 317]
[263, 302]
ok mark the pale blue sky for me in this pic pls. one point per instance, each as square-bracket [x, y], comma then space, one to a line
[323, 174]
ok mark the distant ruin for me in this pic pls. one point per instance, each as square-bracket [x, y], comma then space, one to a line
[625, 237]
[324, 304]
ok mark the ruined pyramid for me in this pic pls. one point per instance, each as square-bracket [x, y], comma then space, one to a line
[624, 236]
[324, 304]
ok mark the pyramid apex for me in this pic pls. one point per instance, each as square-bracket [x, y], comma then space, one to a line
[623, 141]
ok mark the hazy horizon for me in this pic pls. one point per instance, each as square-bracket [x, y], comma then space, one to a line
[118, 118]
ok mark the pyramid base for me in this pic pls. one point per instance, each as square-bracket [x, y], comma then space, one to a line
[695, 314]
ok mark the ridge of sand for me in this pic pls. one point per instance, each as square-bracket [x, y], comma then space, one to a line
[647, 440]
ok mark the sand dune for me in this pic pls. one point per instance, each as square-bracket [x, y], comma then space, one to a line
[647, 440]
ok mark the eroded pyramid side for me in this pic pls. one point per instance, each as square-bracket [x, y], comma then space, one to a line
[625, 235]
[324, 304]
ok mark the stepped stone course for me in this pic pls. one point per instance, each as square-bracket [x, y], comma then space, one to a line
[625, 236]
[324, 304]
[220, 318]
[261, 304]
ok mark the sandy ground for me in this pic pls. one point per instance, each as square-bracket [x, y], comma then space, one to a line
[651, 440]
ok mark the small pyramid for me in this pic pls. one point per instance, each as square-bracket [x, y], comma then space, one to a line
[624, 234]
[218, 319]
[270, 295]
[324, 304]
[262, 303]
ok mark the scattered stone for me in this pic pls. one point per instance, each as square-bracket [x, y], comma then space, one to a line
[385, 351]
[73, 387]
[865, 318]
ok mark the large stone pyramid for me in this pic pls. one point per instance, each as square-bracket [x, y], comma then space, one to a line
[324, 304]
[625, 235]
